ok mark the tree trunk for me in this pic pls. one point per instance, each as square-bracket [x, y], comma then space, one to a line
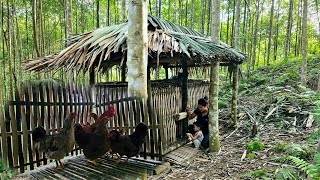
[186, 15]
[298, 30]
[214, 141]
[275, 52]
[123, 11]
[233, 19]
[203, 5]
[235, 88]
[97, 14]
[180, 12]
[304, 43]
[318, 17]
[4, 153]
[137, 57]
[41, 36]
[244, 28]
[192, 15]
[288, 34]
[318, 87]
[108, 13]
[237, 26]
[255, 36]
[35, 28]
[209, 17]
[270, 33]
[228, 12]
[235, 84]
[69, 17]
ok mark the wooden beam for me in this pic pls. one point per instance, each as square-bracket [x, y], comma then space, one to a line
[180, 116]
[161, 168]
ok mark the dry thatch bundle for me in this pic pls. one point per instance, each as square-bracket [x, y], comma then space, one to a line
[168, 44]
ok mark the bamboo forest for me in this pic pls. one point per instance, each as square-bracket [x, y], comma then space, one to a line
[160, 89]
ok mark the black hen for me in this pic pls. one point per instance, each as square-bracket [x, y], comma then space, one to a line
[94, 144]
[128, 145]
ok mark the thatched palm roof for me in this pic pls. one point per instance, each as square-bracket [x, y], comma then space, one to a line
[168, 44]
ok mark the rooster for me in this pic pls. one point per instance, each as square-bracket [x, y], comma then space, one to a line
[89, 128]
[56, 146]
[128, 145]
[95, 142]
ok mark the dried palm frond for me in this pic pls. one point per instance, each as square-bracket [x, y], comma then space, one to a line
[96, 49]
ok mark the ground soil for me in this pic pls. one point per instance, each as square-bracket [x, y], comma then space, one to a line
[227, 164]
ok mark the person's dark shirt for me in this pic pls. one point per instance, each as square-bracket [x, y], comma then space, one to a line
[203, 121]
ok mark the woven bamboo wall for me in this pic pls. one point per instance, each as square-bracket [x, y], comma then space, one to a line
[47, 104]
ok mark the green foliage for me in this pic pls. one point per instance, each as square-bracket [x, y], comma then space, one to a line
[255, 145]
[286, 173]
[261, 173]
[314, 136]
[279, 147]
[251, 155]
[307, 168]
[5, 173]
[301, 151]
[281, 159]
[222, 104]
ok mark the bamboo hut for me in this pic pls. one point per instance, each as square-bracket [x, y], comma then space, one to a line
[170, 46]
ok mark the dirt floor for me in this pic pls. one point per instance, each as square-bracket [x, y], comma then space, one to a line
[227, 164]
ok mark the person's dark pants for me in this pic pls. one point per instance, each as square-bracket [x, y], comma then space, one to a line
[205, 141]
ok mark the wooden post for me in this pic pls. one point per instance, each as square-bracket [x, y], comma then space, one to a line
[214, 142]
[167, 72]
[92, 78]
[235, 87]
[123, 73]
[184, 92]
[151, 115]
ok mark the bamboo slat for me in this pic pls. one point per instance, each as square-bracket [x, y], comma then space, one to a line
[14, 136]
[24, 129]
[4, 145]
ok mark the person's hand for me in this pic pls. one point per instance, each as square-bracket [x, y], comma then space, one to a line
[188, 108]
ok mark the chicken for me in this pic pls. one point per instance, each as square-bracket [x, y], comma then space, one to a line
[96, 143]
[89, 128]
[128, 145]
[56, 146]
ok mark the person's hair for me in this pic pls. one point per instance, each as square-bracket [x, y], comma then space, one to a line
[203, 101]
[197, 124]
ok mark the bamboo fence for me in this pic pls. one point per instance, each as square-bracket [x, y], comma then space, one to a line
[47, 103]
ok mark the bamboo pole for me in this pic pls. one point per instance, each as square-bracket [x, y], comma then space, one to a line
[235, 88]
[214, 142]
[184, 92]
